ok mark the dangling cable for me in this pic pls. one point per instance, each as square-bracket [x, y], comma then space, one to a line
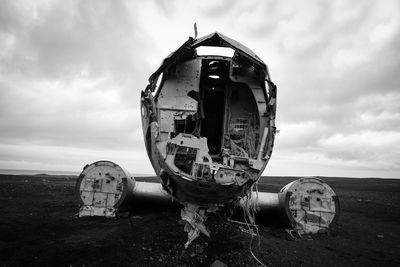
[251, 240]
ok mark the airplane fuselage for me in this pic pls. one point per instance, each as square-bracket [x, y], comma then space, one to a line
[209, 122]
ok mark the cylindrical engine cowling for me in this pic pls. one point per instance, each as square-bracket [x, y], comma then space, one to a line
[308, 204]
[103, 188]
[311, 205]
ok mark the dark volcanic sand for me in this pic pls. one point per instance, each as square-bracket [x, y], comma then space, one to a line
[38, 226]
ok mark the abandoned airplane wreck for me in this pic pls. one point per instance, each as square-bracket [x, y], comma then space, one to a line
[209, 129]
[209, 121]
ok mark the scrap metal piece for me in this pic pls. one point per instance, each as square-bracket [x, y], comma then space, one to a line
[248, 231]
[195, 218]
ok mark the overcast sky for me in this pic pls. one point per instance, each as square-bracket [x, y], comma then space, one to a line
[71, 73]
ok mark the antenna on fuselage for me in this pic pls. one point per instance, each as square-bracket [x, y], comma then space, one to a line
[195, 30]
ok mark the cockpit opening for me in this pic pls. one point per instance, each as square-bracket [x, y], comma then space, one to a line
[213, 82]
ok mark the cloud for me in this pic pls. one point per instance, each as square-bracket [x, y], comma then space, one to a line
[78, 113]
[71, 74]
[60, 40]
[62, 158]
[366, 145]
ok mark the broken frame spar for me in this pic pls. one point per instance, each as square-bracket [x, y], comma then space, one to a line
[308, 204]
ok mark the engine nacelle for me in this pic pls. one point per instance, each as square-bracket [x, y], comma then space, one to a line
[104, 188]
[308, 205]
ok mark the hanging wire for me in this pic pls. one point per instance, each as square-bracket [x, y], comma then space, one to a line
[251, 239]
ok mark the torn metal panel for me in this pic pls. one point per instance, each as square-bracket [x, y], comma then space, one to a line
[92, 210]
[200, 192]
[218, 39]
[194, 218]
[182, 53]
[187, 51]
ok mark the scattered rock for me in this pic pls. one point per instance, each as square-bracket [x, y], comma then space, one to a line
[218, 263]
[364, 200]
[199, 249]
